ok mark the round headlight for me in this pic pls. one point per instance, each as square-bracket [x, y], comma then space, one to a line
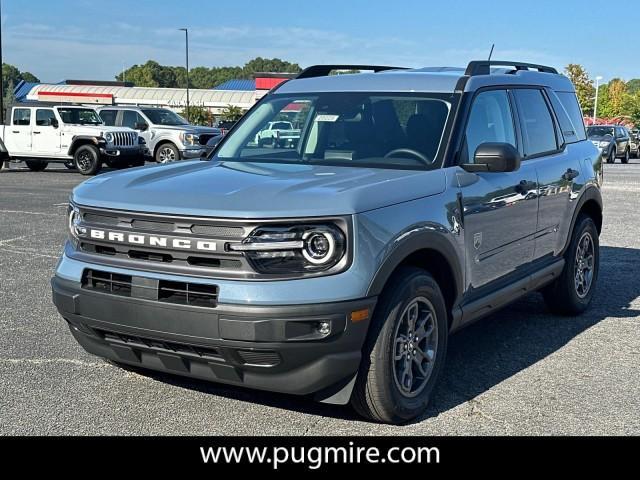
[74, 222]
[109, 137]
[319, 246]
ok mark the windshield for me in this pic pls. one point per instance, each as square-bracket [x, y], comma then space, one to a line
[599, 131]
[80, 116]
[160, 116]
[344, 129]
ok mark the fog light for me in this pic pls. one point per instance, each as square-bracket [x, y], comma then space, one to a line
[324, 328]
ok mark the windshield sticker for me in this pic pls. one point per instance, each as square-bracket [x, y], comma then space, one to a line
[326, 117]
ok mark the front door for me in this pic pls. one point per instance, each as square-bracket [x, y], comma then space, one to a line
[499, 209]
[46, 132]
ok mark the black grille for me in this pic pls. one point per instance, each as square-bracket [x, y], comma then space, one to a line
[205, 353]
[184, 293]
[205, 137]
[107, 282]
[262, 358]
[100, 219]
[181, 293]
[155, 226]
[218, 231]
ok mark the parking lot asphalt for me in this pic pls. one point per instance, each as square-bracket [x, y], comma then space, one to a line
[520, 371]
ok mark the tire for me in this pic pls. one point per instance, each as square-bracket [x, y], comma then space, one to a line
[260, 143]
[36, 165]
[626, 157]
[167, 153]
[612, 156]
[382, 391]
[87, 160]
[71, 164]
[4, 166]
[569, 294]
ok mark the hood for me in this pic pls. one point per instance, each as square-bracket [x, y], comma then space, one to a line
[601, 138]
[188, 128]
[95, 129]
[255, 190]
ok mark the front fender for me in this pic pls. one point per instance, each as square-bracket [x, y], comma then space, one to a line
[418, 237]
[78, 140]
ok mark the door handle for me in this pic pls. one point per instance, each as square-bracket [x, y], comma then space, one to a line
[36, 133]
[570, 174]
[15, 131]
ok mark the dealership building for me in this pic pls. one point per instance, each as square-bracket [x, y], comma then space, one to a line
[238, 93]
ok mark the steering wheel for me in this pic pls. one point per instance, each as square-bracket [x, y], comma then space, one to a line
[409, 151]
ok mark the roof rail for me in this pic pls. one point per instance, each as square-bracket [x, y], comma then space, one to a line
[324, 70]
[483, 67]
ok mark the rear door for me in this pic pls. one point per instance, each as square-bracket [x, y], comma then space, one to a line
[46, 132]
[18, 134]
[499, 209]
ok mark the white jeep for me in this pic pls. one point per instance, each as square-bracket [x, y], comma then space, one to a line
[74, 135]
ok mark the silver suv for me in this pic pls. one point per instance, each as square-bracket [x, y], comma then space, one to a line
[414, 203]
[169, 137]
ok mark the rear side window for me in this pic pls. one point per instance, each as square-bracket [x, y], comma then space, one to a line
[538, 128]
[572, 108]
[109, 117]
[490, 120]
[45, 117]
[21, 116]
[130, 118]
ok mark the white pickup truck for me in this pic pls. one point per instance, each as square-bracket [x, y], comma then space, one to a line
[280, 134]
[74, 135]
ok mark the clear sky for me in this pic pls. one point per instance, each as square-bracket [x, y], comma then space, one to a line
[85, 39]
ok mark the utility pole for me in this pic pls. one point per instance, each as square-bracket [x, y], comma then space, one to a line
[186, 36]
[595, 106]
[1, 76]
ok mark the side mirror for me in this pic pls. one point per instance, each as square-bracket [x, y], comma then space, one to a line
[494, 157]
[54, 123]
[141, 126]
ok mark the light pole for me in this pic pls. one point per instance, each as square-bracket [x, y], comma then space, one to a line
[595, 106]
[186, 37]
[1, 76]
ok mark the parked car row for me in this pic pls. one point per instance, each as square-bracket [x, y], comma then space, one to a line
[85, 138]
[615, 141]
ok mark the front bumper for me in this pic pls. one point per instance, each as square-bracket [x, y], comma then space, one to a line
[124, 153]
[261, 347]
[190, 153]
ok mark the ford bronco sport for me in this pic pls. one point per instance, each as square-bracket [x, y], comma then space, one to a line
[40, 133]
[414, 203]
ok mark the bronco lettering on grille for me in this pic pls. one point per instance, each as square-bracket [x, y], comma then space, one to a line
[153, 240]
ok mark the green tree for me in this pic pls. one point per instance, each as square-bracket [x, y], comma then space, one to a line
[152, 74]
[232, 113]
[11, 74]
[584, 86]
[198, 115]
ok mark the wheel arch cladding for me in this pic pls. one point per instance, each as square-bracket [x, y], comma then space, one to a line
[430, 252]
[590, 204]
[82, 140]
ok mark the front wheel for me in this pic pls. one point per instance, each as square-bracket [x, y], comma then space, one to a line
[87, 160]
[612, 156]
[167, 153]
[571, 293]
[36, 165]
[71, 164]
[4, 165]
[405, 349]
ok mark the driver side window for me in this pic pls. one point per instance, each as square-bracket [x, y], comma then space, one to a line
[490, 120]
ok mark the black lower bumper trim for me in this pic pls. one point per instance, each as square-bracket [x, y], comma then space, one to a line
[263, 347]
